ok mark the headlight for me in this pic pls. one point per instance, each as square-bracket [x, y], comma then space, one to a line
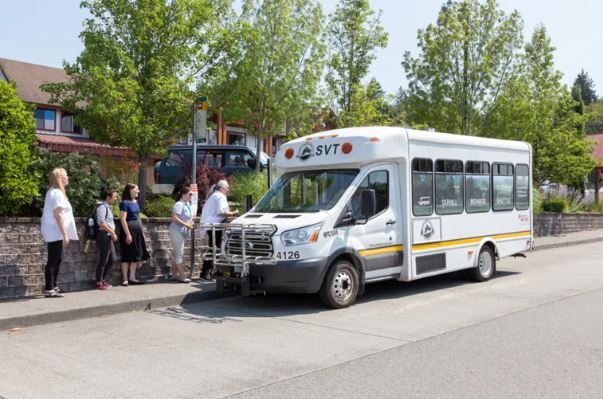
[305, 235]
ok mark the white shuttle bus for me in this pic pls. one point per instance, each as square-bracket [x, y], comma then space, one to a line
[361, 205]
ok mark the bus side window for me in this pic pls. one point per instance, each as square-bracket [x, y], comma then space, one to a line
[378, 181]
[477, 187]
[502, 187]
[522, 187]
[422, 187]
[449, 187]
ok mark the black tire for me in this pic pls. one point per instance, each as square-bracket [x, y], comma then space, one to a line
[486, 266]
[340, 286]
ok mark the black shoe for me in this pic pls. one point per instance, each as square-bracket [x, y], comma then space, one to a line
[136, 282]
[206, 278]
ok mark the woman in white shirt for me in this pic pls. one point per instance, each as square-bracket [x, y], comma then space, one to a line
[58, 228]
[179, 230]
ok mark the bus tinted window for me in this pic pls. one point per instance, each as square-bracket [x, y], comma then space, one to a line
[522, 187]
[502, 187]
[477, 187]
[449, 187]
[422, 187]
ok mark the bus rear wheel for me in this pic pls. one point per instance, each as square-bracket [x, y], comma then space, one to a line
[486, 265]
[340, 286]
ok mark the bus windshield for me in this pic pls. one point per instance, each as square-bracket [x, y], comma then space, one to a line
[306, 191]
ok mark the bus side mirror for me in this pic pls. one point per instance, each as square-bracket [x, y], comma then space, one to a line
[369, 203]
[251, 163]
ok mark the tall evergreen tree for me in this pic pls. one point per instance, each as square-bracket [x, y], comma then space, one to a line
[587, 87]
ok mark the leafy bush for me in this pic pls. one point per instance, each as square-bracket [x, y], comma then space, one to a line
[254, 183]
[159, 206]
[536, 201]
[556, 204]
[18, 179]
[85, 180]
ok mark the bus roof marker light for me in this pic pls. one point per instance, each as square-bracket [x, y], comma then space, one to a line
[375, 140]
[334, 135]
[346, 147]
[289, 153]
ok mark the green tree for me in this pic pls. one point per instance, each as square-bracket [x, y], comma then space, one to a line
[17, 145]
[595, 124]
[467, 59]
[587, 87]
[274, 71]
[130, 85]
[369, 106]
[355, 33]
[535, 107]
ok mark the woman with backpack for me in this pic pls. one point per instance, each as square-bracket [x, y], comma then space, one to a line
[58, 229]
[179, 230]
[131, 239]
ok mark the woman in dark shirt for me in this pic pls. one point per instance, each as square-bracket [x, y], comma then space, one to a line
[131, 239]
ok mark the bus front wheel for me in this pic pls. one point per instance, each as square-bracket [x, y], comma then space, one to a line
[340, 286]
[486, 265]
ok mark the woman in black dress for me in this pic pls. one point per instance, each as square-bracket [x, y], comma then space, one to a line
[131, 239]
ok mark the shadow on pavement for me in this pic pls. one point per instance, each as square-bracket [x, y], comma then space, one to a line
[231, 308]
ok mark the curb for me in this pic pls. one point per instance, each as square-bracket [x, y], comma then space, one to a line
[107, 310]
[567, 243]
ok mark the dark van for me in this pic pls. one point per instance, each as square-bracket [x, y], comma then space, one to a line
[230, 159]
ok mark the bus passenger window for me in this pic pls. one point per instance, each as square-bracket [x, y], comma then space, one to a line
[477, 187]
[522, 187]
[449, 187]
[422, 187]
[502, 187]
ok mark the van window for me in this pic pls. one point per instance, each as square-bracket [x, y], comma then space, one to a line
[378, 181]
[422, 187]
[522, 187]
[238, 158]
[477, 187]
[179, 158]
[213, 158]
[502, 187]
[448, 187]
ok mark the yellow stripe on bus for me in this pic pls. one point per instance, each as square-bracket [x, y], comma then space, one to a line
[379, 251]
[464, 241]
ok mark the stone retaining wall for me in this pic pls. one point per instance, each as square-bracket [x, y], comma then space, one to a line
[23, 256]
[555, 224]
[23, 253]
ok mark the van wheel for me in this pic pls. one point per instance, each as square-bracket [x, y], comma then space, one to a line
[340, 287]
[486, 266]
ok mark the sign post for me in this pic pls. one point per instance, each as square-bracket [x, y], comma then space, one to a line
[199, 120]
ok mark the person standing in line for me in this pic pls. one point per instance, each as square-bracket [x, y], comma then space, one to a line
[131, 240]
[215, 210]
[58, 228]
[179, 230]
[106, 237]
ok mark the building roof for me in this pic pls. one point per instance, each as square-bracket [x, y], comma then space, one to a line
[28, 78]
[58, 143]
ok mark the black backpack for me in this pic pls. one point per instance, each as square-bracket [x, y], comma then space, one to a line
[92, 227]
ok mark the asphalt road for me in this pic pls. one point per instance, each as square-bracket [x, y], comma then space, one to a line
[535, 331]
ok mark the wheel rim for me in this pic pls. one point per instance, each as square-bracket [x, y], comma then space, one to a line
[485, 264]
[343, 286]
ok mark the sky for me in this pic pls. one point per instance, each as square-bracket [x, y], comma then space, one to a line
[46, 32]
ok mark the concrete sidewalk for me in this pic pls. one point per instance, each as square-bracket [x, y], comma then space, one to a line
[93, 303]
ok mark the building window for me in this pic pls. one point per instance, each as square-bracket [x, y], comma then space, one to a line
[522, 187]
[449, 187]
[422, 187]
[477, 187]
[236, 138]
[45, 119]
[502, 187]
[68, 124]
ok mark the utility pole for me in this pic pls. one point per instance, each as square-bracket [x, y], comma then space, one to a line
[199, 123]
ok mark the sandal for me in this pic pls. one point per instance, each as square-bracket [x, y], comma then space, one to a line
[59, 290]
[52, 294]
[124, 284]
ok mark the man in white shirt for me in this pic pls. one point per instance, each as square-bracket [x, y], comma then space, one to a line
[215, 210]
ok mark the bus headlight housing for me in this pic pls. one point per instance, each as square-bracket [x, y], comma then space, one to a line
[304, 235]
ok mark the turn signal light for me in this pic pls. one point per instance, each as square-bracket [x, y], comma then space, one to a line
[346, 148]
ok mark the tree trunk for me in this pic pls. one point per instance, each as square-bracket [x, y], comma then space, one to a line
[142, 183]
[597, 184]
